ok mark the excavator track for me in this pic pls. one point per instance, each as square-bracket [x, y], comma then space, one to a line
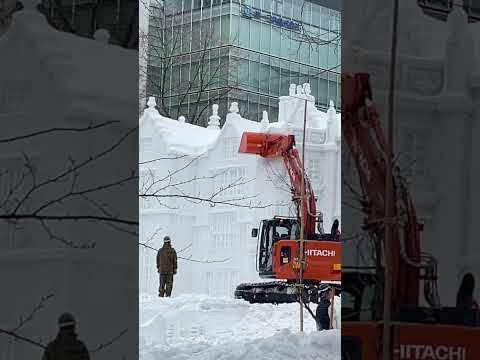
[280, 292]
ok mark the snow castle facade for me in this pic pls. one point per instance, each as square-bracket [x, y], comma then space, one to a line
[183, 164]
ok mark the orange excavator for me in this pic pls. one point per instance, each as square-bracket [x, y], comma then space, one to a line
[430, 332]
[278, 244]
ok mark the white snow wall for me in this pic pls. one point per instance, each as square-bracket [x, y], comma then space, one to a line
[223, 232]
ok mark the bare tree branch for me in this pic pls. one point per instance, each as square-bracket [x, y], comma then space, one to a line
[57, 130]
[22, 338]
[109, 342]
[31, 315]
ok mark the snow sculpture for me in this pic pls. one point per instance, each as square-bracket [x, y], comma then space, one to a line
[151, 106]
[181, 119]
[151, 103]
[331, 126]
[459, 44]
[265, 120]
[225, 230]
[214, 121]
[234, 108]
[291, 90]
[102, 36]
[306, 89]
[300, 90]
[233, 111]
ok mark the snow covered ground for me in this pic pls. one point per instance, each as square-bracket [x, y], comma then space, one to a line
[198, 327]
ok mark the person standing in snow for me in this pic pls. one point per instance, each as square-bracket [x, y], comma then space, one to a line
[66, 345]
[465, 298]
[323, 318]
[167, 267]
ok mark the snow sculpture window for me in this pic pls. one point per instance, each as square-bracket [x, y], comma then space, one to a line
[221, 282]
[208, 283]
[147, 177]
[298, 136]
[414, 155]
[147, 276]
[146, 144]
[314, 173]
[282, 210]
[230, 147]
[222, 228]
[10, 179]
[230, 182]
[13, 95]
[317, 136]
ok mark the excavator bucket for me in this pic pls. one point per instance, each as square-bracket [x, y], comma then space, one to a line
[266, 145]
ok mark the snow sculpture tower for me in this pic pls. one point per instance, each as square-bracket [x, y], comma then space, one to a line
[331, 123]
[214, 120]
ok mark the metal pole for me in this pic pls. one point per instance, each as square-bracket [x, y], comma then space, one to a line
[387, 299]
[332, 307]
[302, 217]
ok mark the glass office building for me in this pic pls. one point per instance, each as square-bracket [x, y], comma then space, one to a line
[248, 51]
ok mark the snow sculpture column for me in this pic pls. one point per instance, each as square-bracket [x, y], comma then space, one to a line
[472, 250]
[214, 121]
[151, 107]
[286, 107]
[102, 36]
[264, 123]
[338, 173]
[331, 124]
[454, 104]
[233, 111]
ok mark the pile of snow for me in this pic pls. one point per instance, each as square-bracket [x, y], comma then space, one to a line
[199, 327]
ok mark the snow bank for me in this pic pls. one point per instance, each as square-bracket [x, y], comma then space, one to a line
[284, 345]
[204, 328]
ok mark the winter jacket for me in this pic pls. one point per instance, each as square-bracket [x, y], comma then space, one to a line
[66, 347]
[167, 260]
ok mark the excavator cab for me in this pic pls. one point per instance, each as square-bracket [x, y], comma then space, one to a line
[270, 232]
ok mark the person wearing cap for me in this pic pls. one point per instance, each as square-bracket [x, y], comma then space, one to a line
[66, 345]
[167, 267]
